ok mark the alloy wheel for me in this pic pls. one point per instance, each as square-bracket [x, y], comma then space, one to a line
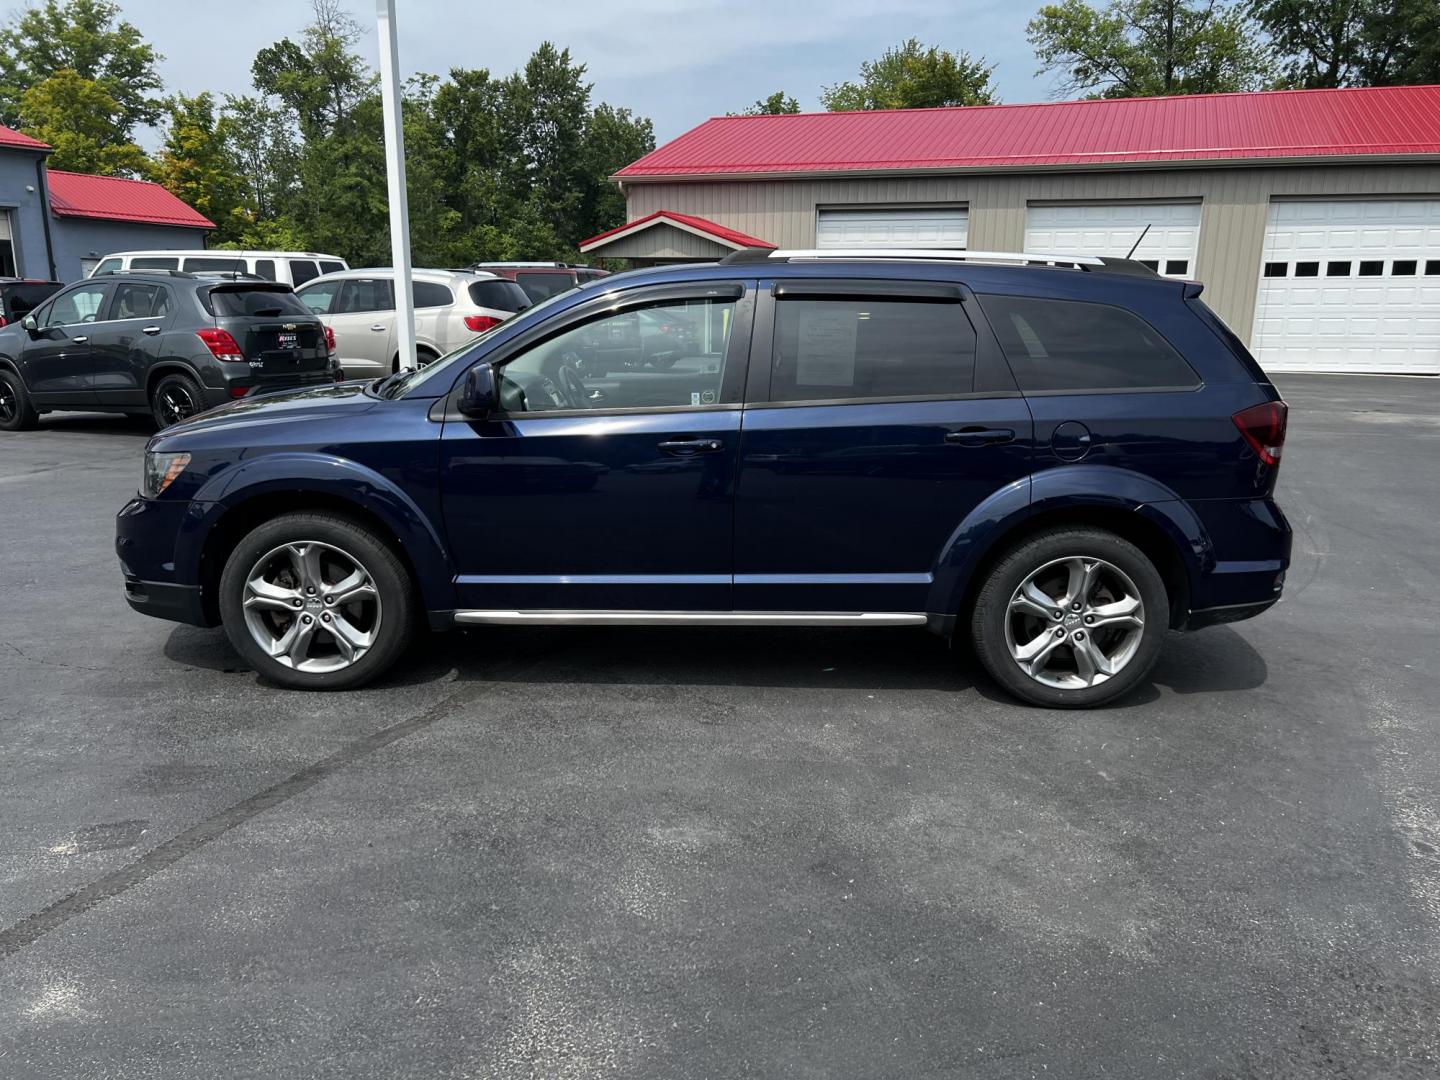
[312, 606]
[1074, 622]
[9, 404]
[176, 404]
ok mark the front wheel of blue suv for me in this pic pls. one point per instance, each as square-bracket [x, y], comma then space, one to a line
[316, 601]
[1071, 618]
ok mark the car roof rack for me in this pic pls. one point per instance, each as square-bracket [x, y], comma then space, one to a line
[1004, 258]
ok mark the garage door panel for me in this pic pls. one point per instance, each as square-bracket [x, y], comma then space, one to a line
[937, 227]
[1112, 229]
[1341, 319]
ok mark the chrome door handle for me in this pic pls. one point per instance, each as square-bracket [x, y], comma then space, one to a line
[79, 340]
[379, 326]
[150, 329]
[977, 436]
[690, 447]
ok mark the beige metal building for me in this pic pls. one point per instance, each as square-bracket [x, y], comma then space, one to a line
[1312, 217]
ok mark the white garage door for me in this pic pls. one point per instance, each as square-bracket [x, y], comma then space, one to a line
[1350, 285]
[1168, 245]
[915, 227]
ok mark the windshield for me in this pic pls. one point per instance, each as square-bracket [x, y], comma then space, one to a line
[437, 374]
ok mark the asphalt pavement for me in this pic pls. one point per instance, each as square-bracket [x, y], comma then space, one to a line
[729, 853]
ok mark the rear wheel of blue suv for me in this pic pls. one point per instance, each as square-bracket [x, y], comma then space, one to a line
[1061, 464]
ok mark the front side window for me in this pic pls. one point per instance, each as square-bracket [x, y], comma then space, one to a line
[78, 306]
[365, 294]
[1075, 345]
[134, 300]
[667, 355]
[829, 350]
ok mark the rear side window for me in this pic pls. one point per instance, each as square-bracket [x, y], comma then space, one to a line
[542, 286]
[262, 302]
[154, 262]
[107, 266]
[302, 270]
[1078, 346]
[499, 295]
[133, 300]
[856, 348]
[265, 268]
[200, 266]
[432, 294]
[330, 266]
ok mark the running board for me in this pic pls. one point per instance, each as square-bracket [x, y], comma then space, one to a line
[691, 618]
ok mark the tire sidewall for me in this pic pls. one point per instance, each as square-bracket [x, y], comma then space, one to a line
[993, 603]
[191, 387]
[25, 414]
[382, 565]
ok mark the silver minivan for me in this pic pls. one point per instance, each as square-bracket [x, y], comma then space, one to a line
[290, 267]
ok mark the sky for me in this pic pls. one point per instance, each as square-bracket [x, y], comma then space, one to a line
[675, 61]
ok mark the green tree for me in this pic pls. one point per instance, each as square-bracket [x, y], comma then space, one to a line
[1324, 43]
[195, 163]
[85, 37]
[547, 106]
[78, 117]
[911, 76]
[1145, 48]
[777, 104]
[613, 139]
[321, 79]
[265, 155]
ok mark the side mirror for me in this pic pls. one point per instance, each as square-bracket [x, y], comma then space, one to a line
[30, 324]
[479, 396]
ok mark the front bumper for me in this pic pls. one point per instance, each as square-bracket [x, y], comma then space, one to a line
[147, 532]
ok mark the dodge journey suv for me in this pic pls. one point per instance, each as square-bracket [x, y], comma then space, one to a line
[1060, 460]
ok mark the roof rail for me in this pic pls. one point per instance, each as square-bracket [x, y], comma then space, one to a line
[930, 254]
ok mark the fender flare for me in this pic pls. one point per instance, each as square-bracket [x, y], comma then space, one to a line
[158, 370]
[340, 478]
[1070, 487]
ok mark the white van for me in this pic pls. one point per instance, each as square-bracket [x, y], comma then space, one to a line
[290, 267]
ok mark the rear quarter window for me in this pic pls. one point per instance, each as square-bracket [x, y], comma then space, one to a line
[1078, 346]
[432, 294]
[260, 302]
[154, 262]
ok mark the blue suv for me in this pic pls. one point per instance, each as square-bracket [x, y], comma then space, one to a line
[1062, 460]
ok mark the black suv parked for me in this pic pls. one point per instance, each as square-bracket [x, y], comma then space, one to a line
[168, 344]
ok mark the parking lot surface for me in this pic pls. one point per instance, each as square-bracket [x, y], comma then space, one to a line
[645, 853]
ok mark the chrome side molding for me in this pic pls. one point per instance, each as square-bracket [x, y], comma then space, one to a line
[690, 618]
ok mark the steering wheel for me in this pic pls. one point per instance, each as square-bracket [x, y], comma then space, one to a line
[572, 387]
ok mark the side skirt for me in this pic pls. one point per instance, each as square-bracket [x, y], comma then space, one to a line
[690, 618]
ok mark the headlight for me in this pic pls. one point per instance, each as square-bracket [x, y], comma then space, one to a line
[161, 471]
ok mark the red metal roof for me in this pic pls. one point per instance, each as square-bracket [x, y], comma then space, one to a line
[686, 222]
[1283, 124]
[117, 199]
[11, 137]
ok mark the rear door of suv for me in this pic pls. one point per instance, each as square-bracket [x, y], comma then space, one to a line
[876, 419]
[280, 338]
[363, 318]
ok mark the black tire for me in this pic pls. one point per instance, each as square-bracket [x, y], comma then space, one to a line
[176, 397]
[992, 611]
[17, 411]
[395, 614]
[423, 357]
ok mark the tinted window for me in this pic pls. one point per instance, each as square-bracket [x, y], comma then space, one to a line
[265, 268]
[81, 305]
[1432, 267]
[108, 266]
[195, 265]
[133, 300]
[1338, 269]
[154, 262]
[330, 266]
[22, 299]
[855, 348]
[1074, 345]
[499, 295]
[365, 294]
[262, 302]
[664, 356]
[302, 270]
[320, 297]
[432, 294]
[540, 286]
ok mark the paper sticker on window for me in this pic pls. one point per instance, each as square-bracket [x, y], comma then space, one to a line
[708, 397]
[695, 397]
[826, 349]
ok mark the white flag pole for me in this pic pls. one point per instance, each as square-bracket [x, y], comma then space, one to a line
[395, 178]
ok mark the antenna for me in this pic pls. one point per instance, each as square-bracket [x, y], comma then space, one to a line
[1131, 253]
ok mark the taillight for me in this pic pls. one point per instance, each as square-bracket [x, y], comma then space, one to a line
[239, 391]
[481, 323]
[1263, 427]
[330, 341]
[3, 322]
[221, 345]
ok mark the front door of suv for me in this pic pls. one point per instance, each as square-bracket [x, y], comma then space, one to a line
[604, 489]
[880, 421]
[56, 355]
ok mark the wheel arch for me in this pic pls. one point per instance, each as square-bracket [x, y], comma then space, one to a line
[162, 368]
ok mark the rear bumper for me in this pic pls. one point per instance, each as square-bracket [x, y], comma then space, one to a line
[1251, 541]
